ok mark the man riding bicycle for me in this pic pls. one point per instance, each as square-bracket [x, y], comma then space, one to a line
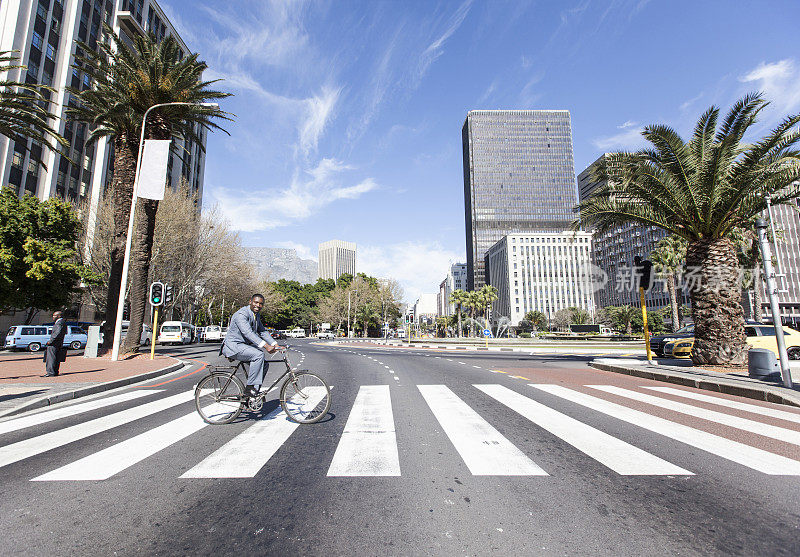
[247, 340]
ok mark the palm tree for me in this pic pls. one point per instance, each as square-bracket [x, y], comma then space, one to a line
[23, 112]
[459, 298]
[701, 190]
[669, 255]
[623, 316]
[126, 81]
[488, 295]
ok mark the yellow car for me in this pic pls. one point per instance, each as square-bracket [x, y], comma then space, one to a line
[758, 336]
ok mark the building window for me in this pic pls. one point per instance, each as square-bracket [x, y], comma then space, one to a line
[17, 159]
[51, 52]
[36, 40]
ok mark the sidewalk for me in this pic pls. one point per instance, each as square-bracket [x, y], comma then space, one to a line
[23, 388]
[732, 383]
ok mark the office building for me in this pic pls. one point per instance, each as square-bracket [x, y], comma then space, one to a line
[456, 280]
[613, 252]
[519, 176]
[541, 271]
[336, 258]
[425, 309]
[44, 32]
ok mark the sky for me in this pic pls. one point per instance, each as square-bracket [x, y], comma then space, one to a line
[349, 114]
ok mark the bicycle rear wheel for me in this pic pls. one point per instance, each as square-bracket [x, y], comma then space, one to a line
[218, 398]
[305, 397]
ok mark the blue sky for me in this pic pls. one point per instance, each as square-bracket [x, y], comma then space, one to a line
[349, 114]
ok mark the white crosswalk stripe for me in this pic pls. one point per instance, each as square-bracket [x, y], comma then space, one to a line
[753, 408]
[73, 410]
[618, 455]
[484, 450]
[42, 443]
[104, 464]
[767, 430]
[244, 455]
[368, 446]
[748, 456]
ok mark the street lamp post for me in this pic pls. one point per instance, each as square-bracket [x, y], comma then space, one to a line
[126, 261]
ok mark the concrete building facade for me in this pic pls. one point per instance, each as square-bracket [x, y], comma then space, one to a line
[541, 271]
[44, 32]
[456, 280]
[519, 176]
[336, 258]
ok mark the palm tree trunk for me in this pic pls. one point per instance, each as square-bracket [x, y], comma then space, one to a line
[143, 232]
[459, 321]
[673, 302]
[125, 153]
[716, 308]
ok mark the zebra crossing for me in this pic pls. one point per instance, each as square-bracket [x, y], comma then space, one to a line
[368, 447]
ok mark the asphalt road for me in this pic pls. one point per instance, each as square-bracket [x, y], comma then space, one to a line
[458, 454]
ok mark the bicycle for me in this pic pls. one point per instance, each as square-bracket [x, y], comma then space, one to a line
[219, 397]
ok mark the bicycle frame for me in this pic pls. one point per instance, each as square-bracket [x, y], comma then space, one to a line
[263, 392]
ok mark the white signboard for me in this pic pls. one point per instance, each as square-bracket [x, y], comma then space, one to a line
[153, 171]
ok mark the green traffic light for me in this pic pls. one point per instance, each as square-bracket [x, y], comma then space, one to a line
[156, 300]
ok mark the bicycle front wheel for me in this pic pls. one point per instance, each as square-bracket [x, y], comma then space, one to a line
[218, 398]
[305, 398]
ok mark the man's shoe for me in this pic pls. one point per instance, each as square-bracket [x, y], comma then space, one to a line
[251, 391]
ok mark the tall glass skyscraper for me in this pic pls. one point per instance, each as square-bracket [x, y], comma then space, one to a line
[519, 177]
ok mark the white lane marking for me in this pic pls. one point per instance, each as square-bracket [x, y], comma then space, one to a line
[477, 367]
[462, 363]
[74, 410]
[368, 446]
[387, 367]
[42, 443]
[759, 428]
[244, 455]
[484, 449]
[614, 453]
[113, 460]
[745, 455]
[396, 378]
[763, 410]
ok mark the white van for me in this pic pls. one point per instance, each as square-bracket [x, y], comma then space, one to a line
[175, 332]
[213, 333]
[297, 332]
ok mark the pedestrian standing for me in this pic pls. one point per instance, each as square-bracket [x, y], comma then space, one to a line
[55, 353]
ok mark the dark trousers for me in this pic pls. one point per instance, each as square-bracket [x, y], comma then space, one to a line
[52, 360]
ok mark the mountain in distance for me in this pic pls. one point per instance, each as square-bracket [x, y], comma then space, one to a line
[282, 263]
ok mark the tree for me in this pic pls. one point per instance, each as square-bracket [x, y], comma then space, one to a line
[488, 294]
[622, 317]
[126, 81]
[537, 319]
[390, 296]
[668, 258]
[562, 318]
[701, 190]
[474, 301]
[23, 111]
[578, 316]
[460, 299]
[39, 268]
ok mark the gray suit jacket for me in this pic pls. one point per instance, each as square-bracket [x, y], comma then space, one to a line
[245, 329]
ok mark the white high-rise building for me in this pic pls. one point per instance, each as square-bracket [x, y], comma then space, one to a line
[336, 258]
[44, 33]
[456, 280]
[541, 271]
[425, 308]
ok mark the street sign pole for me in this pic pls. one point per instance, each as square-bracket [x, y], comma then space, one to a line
[644, 325]
[153, 334]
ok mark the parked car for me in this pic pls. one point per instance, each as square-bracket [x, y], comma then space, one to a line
[213, 333]
[34, 337]
[297, 332]
[325, 334]
[758, 336]
[277, 335]
[657, 342]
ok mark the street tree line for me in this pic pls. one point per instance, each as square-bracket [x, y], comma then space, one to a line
[475, 301]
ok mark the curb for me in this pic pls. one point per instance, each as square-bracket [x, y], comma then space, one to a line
[94, 389]
[767, 393]
[578, 351]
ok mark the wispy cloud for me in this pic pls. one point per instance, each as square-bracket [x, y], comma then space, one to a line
[255, 208]
[436, 48]
[319, 110]
[685, 105]
[629, 139]
[419, 267]
[780, 82]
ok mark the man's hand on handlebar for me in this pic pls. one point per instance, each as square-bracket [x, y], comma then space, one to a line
[274, 348]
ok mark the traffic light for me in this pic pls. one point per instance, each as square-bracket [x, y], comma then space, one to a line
[167, 293]
[157, 293]
[644, 272]
[411, 317]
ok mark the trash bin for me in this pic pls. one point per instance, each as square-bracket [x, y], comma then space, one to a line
[762, 364]
[92, 342]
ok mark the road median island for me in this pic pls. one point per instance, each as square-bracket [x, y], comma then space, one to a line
[23, 388]
[697, 378]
